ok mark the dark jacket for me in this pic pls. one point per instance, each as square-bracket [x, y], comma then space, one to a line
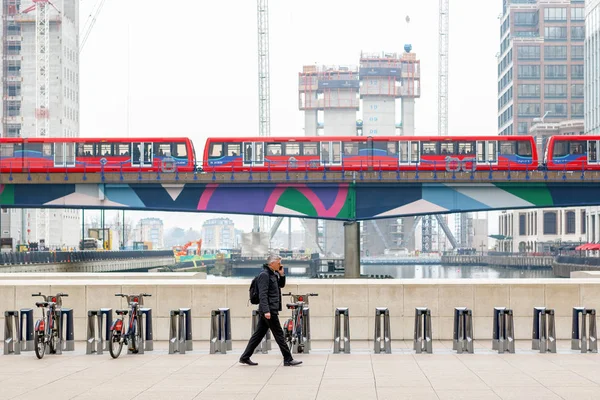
[269, 290]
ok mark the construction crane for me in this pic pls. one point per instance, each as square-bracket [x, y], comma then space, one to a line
[89, 24]
[444, 31]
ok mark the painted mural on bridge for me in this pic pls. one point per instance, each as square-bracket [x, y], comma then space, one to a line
[340, 201]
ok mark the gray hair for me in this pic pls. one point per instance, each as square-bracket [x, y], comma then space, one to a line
[273, 257]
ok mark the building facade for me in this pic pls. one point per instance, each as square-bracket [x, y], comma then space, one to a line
[592, 67]
[150, 230]
[540, 63]
[19, 113]
[218, 234]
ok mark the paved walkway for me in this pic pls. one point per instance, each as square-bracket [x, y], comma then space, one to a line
[361, 375]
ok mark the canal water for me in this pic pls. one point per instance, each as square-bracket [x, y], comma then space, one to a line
[454, 272]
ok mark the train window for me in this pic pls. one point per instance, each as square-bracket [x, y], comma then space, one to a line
[382, 146]
[429, 148]
[350, 149]
[592, 151]
[7, 150]
[274, 149]
[392, 148]
[447, 148]
[561, 148]
[480, 151]
[466, 148]
[34, 147]
[403, 152]
[577, 147]
[180, 150]
[492, 155]
[121, 149]
[524, 148]
[414, 152]
[105, 149]
[47, 150]
[507, 147]
[162, 149]
[310, 149]
[233, 149]
[292, 149]
[216, 150]
[87, 150]
[325, 152]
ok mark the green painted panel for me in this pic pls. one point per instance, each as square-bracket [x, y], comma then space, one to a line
[294, 200]
[536, 192]
[7, 194]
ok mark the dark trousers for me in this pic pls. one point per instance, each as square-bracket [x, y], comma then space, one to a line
[261, 330]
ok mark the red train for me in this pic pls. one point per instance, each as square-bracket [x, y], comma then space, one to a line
[353, 153]
[93, 155]
[572, 153]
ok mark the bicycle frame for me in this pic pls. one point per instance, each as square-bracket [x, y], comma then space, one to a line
[299, 329]
[134, 302]
[49, 322]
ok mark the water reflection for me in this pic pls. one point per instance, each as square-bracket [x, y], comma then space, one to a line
[454, 272]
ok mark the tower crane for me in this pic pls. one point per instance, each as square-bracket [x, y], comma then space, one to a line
[87, 29]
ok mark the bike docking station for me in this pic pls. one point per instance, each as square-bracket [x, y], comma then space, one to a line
[422, 335]
[220, 331]
[543, 336]
[12, 335]
[265, 344]
[462, 338]
[180, 331]
[98, 330]
[383, 335]
[580, 339]
[503, 332]
[341, 343]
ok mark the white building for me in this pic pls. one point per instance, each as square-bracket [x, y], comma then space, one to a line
[19, 115]
[592, 67]
[218, 234]
[150, 230]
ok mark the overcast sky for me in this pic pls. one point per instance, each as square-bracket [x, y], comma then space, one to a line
[189, 68]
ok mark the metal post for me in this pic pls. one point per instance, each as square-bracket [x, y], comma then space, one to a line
[544, 330]
[463, 330]
[341, 342]
[123, 235]
[11, 333]
[94, 333]
[351, 250]
[26, 329]
[382, 340]
[423, 331]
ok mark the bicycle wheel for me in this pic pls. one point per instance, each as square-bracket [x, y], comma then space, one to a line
[40, 346]
[288, 335]
[135, 337]
[116, 344]
[53, 342]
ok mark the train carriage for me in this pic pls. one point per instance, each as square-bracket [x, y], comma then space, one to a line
[94, 155]
[355, 153]
[572, 153]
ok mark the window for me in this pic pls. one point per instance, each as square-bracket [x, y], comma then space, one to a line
[522, 225]
[550, 223]
[507, 147]
[565, 147]
[162, 149]
[556, 109]
[523, 148]
[570, 216]
[525, 18]
[529, 109]
[47, 150]
[350, 148]
[555, 14]
[179, 150]
[292, 149]
[216, 150]
[310, 149]
[523, 127]
[577, 32]
[528, 52]
[577, 90]
[13, 108]
[582, 222]
[555, 71]
[529, 71]
[105, 149]
[577, 14]
[576, 52]
[576, 71]
[555, 52]
[529, 90]
[555, 91]
[7, 150]
[555, 33]
[429, 148]
[87, 150]
[274, 149]
[392, 148]
[466, 148]
[122, 149]
[234, 149]
[447, 148]
[576, 110]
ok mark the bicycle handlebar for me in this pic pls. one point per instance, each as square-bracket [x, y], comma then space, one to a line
[306, 294]
[45, 297]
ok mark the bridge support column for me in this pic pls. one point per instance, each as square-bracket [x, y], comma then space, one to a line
[352, 250]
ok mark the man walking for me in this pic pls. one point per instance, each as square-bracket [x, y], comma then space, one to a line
[269, 283]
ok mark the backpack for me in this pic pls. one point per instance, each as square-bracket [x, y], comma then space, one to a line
[254, 299]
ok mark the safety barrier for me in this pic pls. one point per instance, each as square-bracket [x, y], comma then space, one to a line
[422, 338]
[463, 330]
[341, 343]
[180, 331]
[66, 331]
[543, 336]
[26, 329]
[220, 331]
[383, 334]
[265, 344]
[12, 343]
[580, 339]
[503, 332]
[94, 333]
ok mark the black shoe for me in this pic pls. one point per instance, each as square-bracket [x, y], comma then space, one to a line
[291, 363]
[247, 361]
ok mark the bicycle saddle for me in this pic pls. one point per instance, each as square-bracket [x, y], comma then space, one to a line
[291, 306]
[122, 312]
[42, 304]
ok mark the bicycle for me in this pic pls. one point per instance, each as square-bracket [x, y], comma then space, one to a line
[295, 328]
[133, 337]
[46, 331]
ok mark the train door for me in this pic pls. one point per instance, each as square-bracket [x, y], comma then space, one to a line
[64, 154]
[331, 153]
[592, 152]
[141, 154]
[487, 152]
[409, 152]
[254, 153]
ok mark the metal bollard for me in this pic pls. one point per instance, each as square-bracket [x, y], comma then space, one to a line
[146, 318]
[582, 339]
[106, 316]
[503, 332]
[306, 329]
[220, 331]
[180, 331]
[422, 340]
[12, 335]
[543, 336]
[94, 333]
[265, 344]
[338, 339]
[26, 329]
[463, 330]
[66, 333]
[383, 338]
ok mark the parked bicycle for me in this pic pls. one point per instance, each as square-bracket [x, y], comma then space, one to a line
[46, 332]
[133, 337]
[295, 328]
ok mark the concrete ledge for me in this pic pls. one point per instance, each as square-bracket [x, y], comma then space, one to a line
[585, 274]
[105, 275]
[361, 296]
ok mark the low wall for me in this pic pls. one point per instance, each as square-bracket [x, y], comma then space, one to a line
[565, 266]
[104, 276]
[361, 296]
[91, 266]
[501, 261]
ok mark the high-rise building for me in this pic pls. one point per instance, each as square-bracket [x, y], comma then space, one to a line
[592, 67]
[150, 230]
[218, 234]
[30, 109]
[540, 64]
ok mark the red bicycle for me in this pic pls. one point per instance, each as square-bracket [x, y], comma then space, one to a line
[46, 332]
[133, 337]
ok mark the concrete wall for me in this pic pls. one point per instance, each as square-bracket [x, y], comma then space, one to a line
[362, 297]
